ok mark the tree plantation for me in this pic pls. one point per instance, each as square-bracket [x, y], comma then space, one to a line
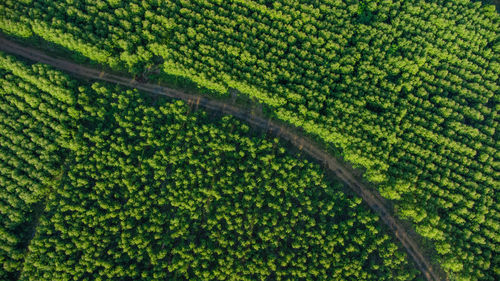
[134, 188]
[407, 91]
[34, 120]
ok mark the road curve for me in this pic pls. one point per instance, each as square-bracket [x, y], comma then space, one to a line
[372, 198]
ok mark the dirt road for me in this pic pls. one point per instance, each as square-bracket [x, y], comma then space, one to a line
[372, 198]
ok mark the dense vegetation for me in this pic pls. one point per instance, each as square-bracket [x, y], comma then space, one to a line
[33, 120]
[134, 187]
[406, 89]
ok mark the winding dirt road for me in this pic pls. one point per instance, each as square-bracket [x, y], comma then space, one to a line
[372, 198]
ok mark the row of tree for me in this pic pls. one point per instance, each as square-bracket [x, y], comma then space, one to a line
[405, 89]
[33, 124]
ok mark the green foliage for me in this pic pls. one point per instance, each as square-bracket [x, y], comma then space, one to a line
[152, 191]
[33, 123]
[407, 90]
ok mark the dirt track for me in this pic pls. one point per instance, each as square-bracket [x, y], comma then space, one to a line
[373, 199]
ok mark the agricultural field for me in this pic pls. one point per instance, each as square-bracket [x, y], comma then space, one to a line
[408, 91]
[118, 185]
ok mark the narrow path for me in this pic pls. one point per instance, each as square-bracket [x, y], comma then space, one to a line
[372, 198]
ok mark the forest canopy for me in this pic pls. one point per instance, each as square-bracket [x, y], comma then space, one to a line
[405, 90]
[135, 187]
